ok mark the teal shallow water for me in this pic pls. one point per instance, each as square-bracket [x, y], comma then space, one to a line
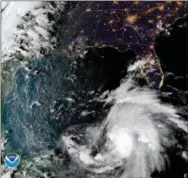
[28, 109]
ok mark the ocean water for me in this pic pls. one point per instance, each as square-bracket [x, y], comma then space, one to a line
[50, 94]
[94, 112]
[29, 116]
[47, 96]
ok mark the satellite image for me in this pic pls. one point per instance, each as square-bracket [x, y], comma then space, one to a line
[94, 89]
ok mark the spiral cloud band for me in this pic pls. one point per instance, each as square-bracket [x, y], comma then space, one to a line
[132, 140]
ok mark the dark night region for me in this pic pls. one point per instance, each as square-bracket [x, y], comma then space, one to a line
[108, 63]
[172, 50]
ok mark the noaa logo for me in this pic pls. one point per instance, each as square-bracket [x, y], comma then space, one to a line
[12, 160]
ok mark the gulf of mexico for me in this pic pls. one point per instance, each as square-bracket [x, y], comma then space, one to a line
[29, 119]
